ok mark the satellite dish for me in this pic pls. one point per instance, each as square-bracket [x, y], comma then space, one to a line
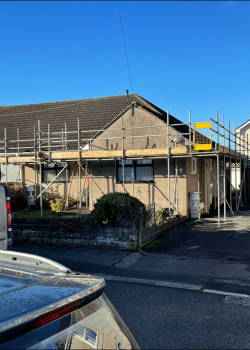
[176, 138]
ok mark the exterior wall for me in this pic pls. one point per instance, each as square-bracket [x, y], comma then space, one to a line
[141, 118]
[29, 180]
[207, 185]
[13, 173]
[104, 172]
[245, 134]
[238, 178]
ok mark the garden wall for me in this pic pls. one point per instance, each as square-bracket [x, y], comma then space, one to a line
[75, 232]
[81, 232]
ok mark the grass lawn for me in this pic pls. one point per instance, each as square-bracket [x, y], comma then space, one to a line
[37, 214]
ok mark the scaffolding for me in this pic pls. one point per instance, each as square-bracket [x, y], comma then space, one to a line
[68, 147]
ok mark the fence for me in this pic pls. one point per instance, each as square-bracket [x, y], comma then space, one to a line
[148, 233]
[152, 228]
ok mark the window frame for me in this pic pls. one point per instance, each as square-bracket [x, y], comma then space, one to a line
[57, 168]
[135, 166]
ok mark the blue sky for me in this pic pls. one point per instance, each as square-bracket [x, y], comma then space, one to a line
[181, 54]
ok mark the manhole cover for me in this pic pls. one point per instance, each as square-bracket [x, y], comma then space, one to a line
[237, 300]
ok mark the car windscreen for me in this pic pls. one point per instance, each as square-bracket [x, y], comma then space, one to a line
[97, 325]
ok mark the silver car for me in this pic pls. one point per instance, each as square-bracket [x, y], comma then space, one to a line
[44, 305]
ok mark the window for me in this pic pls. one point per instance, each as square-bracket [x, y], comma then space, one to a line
[139, 170]
[54, 169]
[88, 336]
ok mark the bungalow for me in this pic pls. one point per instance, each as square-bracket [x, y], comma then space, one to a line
[101, 145]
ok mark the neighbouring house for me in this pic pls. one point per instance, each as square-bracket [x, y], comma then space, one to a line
[243, 132]
[101, 133]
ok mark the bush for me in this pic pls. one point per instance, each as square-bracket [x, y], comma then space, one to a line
[18, 197]
[163, 214]
[59, 203]
[113, 207]
[54, 201]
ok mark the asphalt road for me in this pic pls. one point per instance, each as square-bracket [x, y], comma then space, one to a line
[166, 318]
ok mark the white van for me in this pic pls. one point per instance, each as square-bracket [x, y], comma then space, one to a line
[5, 219]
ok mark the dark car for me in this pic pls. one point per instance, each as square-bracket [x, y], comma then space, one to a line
[44, 305]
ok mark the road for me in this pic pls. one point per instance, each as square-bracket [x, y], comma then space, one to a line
[167, 318]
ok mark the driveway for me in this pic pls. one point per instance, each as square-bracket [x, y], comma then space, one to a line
[204, 239]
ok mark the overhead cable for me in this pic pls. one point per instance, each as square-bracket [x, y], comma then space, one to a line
[125, 46]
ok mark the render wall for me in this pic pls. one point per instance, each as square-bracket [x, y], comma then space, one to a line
[207, 185]
[29, 179]
[104, 172]
[141, 118]
[13, 173]
[245, 135]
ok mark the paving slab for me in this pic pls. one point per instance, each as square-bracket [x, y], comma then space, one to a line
[129, 260]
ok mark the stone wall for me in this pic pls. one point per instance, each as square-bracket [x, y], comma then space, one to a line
[75, 233]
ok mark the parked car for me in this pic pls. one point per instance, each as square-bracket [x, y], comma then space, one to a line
[5, 219]
[44, 305]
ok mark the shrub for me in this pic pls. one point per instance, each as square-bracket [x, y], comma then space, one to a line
[18, 197]
[51, 194]
[112, 207]
[59, 203]
[54, 201]
[162, 214]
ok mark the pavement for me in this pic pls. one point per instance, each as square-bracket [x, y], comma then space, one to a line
[196, 254]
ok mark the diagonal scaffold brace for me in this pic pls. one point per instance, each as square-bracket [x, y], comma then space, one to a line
[47, 186]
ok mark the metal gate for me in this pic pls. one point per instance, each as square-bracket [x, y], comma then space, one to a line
[147, 233]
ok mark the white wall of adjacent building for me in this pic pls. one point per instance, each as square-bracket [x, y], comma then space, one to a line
[12, 173]
[238, 178]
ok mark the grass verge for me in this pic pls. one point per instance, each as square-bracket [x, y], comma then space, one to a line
[152, 244]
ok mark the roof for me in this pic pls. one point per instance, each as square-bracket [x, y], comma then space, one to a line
[243, 125]
[93, 114]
